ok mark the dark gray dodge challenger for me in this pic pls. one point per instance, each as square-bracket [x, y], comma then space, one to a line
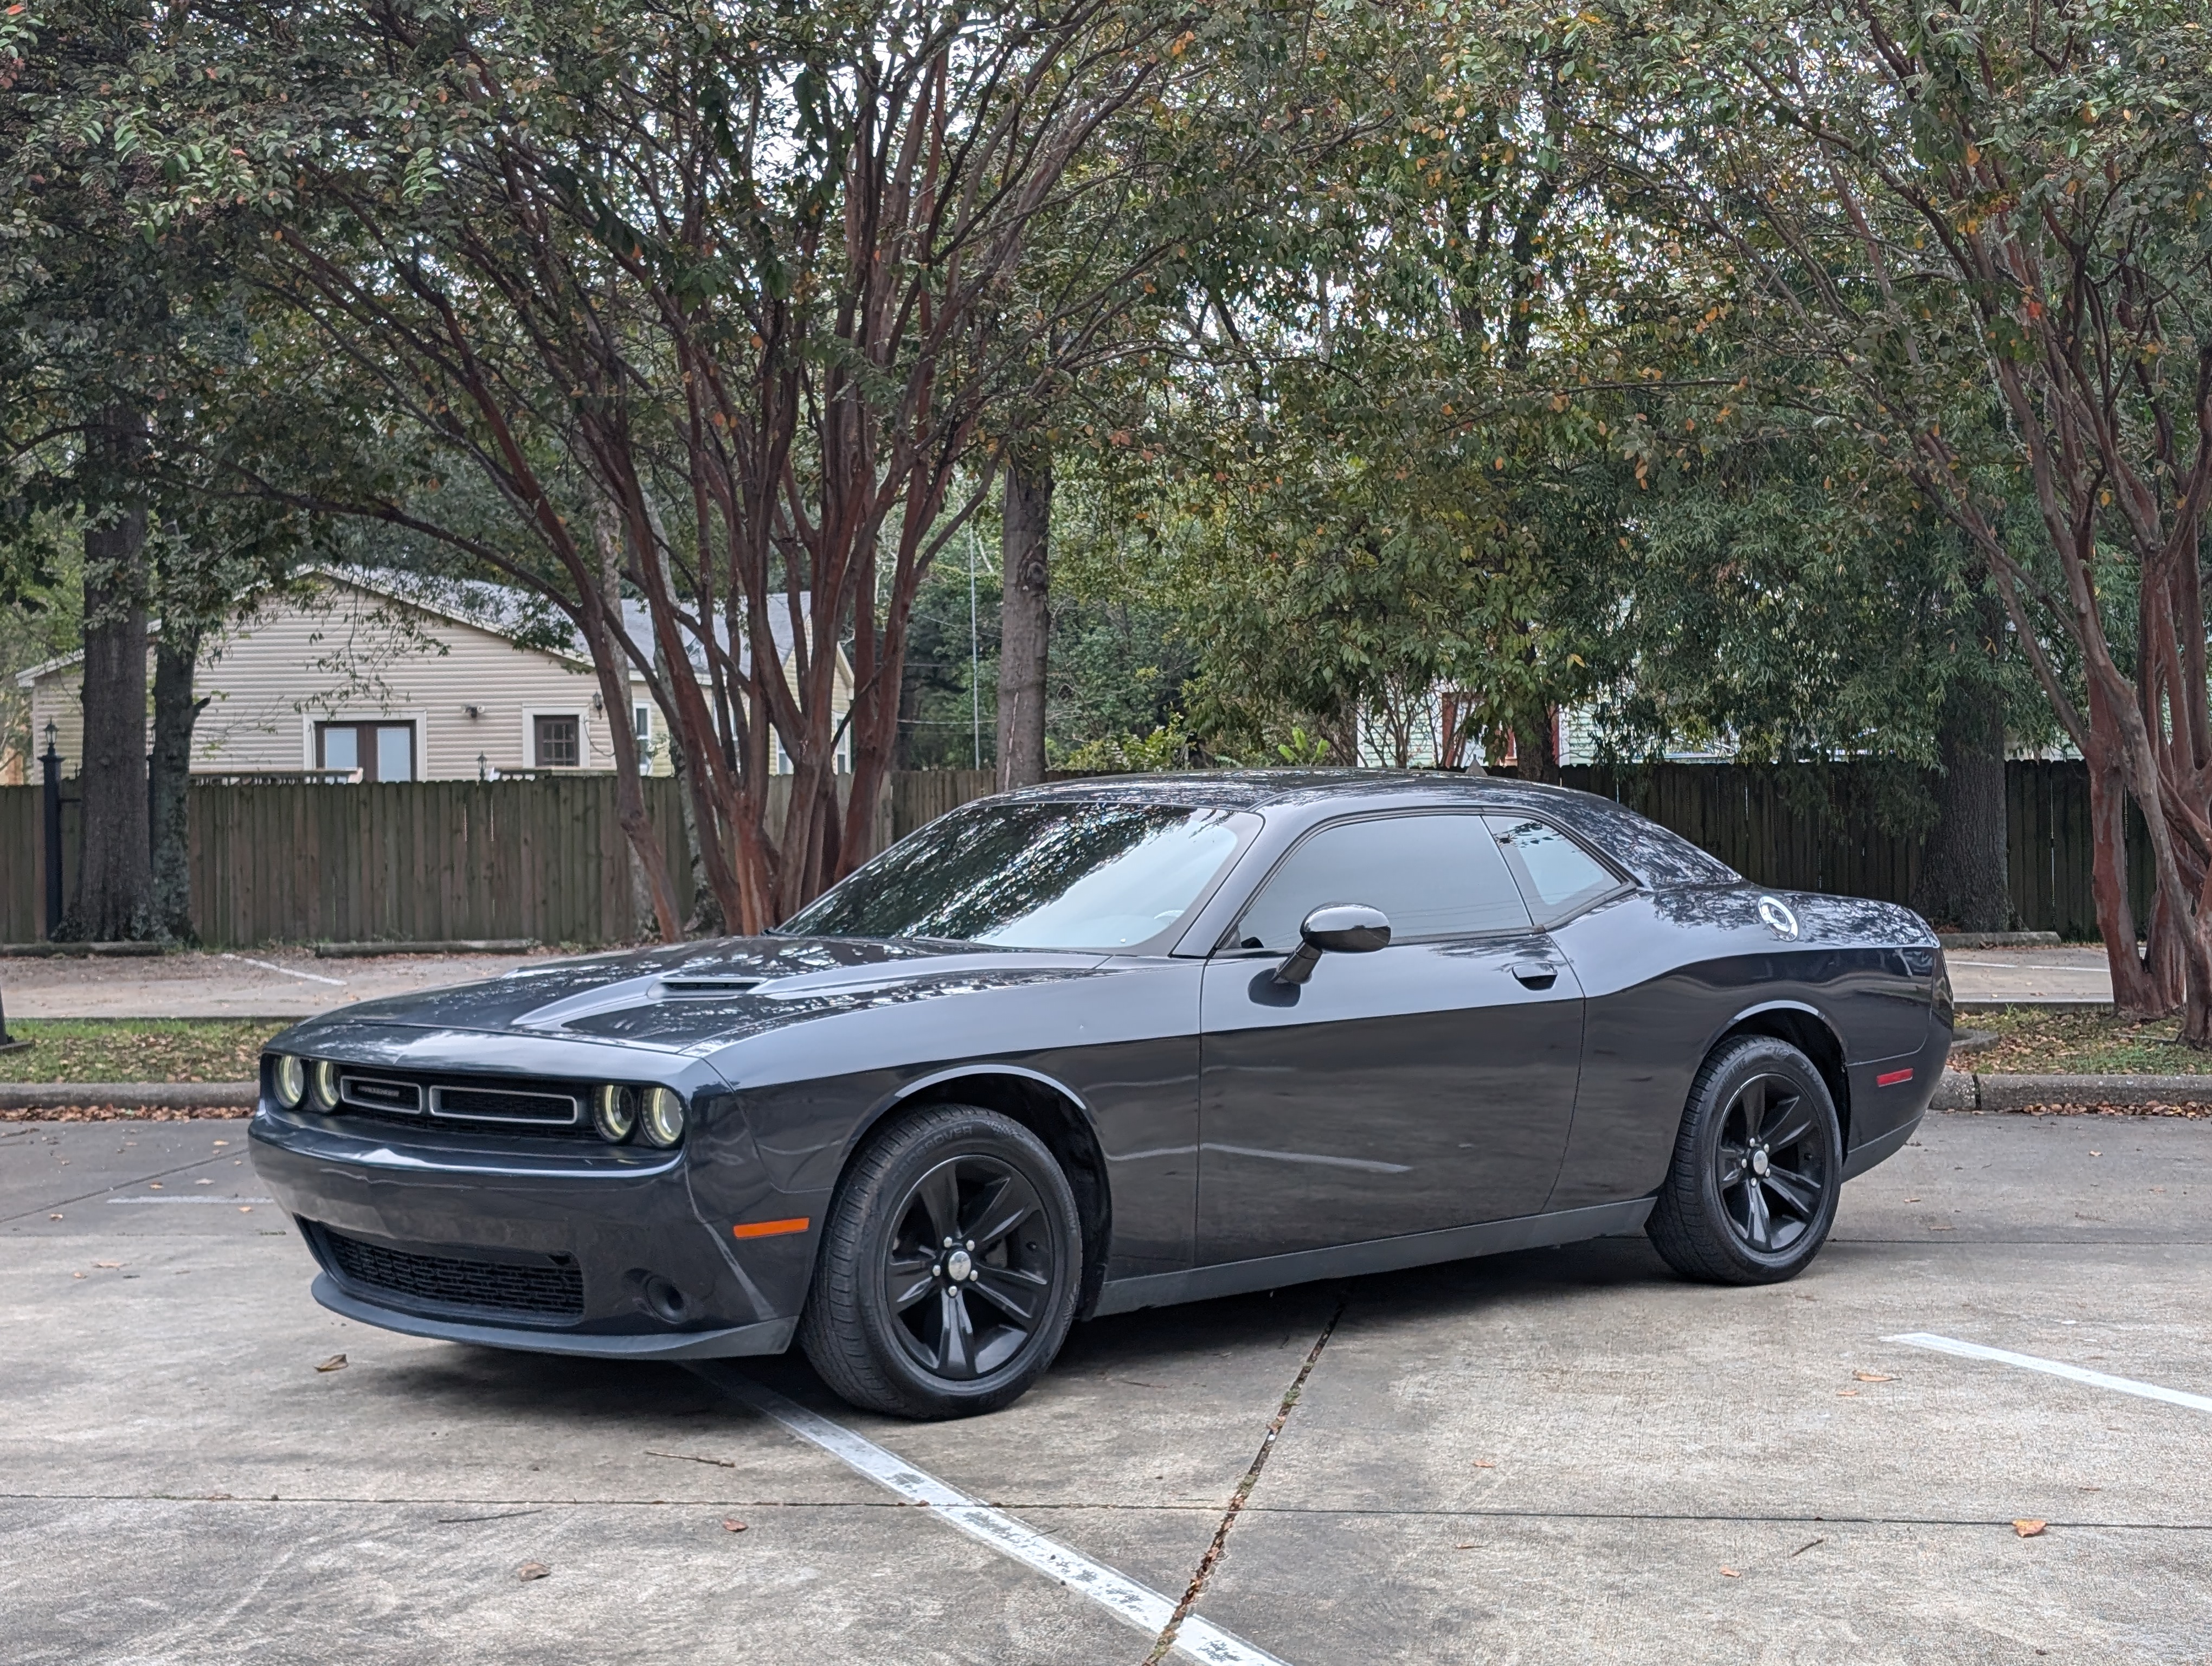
[1105, 1045]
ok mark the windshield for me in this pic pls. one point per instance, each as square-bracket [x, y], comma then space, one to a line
[1033, 876]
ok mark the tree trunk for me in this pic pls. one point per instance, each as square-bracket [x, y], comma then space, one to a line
[1963, 881]
[1536, 746]
[175, 712]
[610, 662]
[114, 875]
[1025, 615]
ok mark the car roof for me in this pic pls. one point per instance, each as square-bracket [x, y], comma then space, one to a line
[1653, 855]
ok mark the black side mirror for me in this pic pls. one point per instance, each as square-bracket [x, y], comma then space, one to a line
[1335, 929]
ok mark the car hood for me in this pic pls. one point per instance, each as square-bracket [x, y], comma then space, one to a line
[709, 994]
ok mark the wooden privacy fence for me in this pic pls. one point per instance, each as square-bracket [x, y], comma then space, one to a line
[426, 862]
[1801, 831]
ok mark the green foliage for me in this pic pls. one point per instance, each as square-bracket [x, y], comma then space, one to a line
[1167, 747]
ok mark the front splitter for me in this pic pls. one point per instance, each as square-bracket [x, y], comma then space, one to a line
[770, 1336]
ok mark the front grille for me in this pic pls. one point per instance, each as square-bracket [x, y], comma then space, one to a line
[498, 1104]
[505, 1106]
[553, 1290]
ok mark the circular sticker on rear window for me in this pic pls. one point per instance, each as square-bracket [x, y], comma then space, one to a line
[1776, 913]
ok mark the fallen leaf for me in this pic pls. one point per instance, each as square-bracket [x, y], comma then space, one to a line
[77, 1275]
[107, 1264]
[1808, 1544]
[335, 1362]
[223, 1142]
[731, 1524]
[1730, 1573]
[53, 1217]
[246, 1208]
[532, 1571]
[2030, 1528]
[1847, 1394]
[1485, 1463]
[204, 1183]
[156, 1185]
[1912, 1200]
[2096, 1153]
[1467, 1545]
[1874, 1376]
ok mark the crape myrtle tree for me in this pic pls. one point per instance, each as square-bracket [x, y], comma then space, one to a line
[1990, 229]
[740, 276]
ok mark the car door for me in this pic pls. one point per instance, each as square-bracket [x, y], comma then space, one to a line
[1426, 1084]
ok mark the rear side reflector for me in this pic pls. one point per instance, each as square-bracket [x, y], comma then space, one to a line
[1892, 1078]
[768, 1229]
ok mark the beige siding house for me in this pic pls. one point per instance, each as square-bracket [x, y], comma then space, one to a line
[380, 676]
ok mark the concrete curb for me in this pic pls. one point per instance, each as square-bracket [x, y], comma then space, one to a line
[2041, 1004]
[131, 1096]
[457, 946]
[48, 951]
[1961, 1091]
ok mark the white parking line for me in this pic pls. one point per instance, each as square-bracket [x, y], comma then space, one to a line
[1134, 1604]
[211, 1199]
[271, 966]
[2096, 1379]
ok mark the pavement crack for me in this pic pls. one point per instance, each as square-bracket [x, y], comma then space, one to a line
[159, 1174]
[1166, 1640]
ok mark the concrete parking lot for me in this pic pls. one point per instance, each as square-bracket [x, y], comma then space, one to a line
[1560, 1455]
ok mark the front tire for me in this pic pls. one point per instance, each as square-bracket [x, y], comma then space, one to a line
[1756, 1170]
[948, 1268]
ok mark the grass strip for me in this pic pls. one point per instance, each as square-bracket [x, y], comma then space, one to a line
[137, 1050]
[2034, 1042]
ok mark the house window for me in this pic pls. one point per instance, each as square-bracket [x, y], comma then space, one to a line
[557, 741]
[381, 752]
[640, 718]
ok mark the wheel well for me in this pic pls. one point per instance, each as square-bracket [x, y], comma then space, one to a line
[1810, 1036]
[1068, 1135]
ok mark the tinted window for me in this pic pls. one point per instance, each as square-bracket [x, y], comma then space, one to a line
[1434, 876]
[1033, 876]
[1558, 874]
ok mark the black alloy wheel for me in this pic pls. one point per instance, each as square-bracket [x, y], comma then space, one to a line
[948, 1267]
[968, 1285]
[1757, 1169]
[1773, 1175]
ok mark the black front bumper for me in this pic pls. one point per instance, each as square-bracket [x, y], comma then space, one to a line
[559, 1247]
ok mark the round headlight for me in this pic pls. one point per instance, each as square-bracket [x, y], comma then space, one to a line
[291, 1077]
[661, 1118]
[323, 1084]
[614, 1113]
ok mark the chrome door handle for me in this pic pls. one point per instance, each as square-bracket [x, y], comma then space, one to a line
[1536, 974]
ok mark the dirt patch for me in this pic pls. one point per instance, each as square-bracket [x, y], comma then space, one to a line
[2189, 1112]
[125, 1114]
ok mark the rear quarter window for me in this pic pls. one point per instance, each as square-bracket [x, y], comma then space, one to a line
[1557, 875]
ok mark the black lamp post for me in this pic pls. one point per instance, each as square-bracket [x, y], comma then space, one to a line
[50, 776]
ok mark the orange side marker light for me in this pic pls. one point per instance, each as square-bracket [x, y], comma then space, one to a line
[768, 1229]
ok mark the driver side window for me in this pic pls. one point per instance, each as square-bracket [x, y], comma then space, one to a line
[1439, 875]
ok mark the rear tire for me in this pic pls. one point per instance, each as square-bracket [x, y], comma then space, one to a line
[1758, 1167]
[948, 1268]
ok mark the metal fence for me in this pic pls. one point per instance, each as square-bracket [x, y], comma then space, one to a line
[295, 861]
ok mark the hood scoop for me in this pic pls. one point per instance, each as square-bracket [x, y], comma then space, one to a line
[710, 985]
